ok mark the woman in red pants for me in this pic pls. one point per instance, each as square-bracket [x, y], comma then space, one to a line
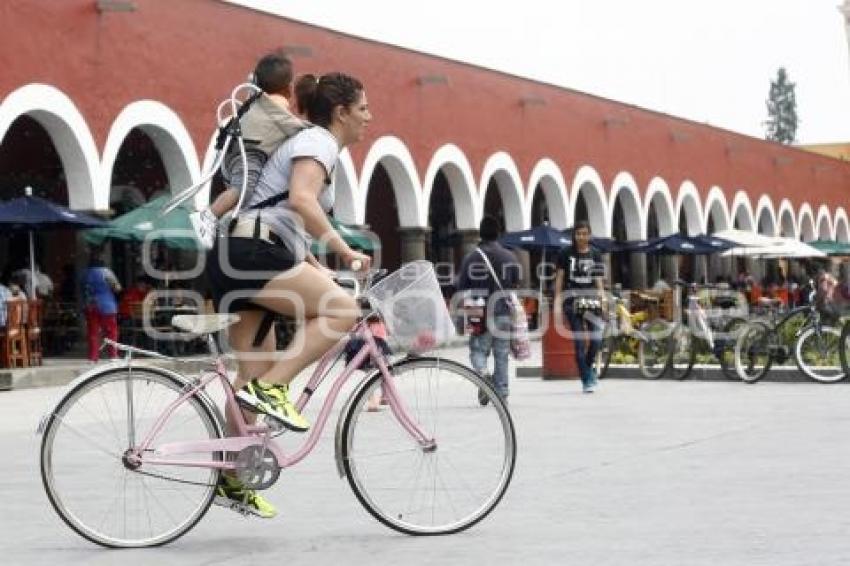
[101, 306]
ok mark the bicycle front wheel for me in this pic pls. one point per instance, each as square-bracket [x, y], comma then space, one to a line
[436, 489]
[87, 478]
[654, 348]
[606, 350]
[753, 352]
[724, 347]
[816, 354]
[682, 352]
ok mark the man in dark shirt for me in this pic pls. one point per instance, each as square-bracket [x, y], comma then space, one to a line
[579, 284]
[477, 280]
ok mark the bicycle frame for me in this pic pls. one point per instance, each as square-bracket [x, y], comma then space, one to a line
[812, 320]
[260, 435]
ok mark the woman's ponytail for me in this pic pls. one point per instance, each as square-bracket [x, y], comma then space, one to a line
[305, 92]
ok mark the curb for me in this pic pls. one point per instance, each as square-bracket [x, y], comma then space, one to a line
[784, 374]
[60, 375]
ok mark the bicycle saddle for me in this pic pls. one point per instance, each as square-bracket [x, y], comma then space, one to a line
[203, 323]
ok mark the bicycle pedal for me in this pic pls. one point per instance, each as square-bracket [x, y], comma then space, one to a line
[235, 506]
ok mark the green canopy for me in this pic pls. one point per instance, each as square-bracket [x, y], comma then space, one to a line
[173, 229]
[352, 236]
[832, 247]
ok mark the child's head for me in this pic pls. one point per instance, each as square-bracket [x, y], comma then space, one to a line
[273, 73]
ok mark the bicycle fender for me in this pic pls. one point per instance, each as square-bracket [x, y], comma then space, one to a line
[360, 386]
[346, 408]
[202, 396]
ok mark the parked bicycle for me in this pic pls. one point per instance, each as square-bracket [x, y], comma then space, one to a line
[696, 333]
[799, 333]
[630, 333]
[132, 453]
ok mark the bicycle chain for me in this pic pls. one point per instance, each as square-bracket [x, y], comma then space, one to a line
[169, 478]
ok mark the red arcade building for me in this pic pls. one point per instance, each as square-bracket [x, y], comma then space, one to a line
[105, 103]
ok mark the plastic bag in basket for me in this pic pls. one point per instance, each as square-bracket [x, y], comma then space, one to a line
[412, 305]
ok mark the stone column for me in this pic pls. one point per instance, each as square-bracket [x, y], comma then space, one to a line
[413, 243]
[669, 267]
[468, 241]
[638, 270]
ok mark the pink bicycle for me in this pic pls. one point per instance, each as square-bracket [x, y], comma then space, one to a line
[132, 453]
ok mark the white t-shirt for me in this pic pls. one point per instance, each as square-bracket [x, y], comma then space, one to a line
[316, 143]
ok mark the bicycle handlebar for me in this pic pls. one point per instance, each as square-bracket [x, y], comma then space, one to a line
[361, 281]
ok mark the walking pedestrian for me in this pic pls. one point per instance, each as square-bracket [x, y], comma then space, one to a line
[580, 293]
[485, 271]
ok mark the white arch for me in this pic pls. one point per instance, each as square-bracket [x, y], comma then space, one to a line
[824, 224]
[806, 223]
[658, 193]
[169, 136]
[625, 188]
[69, 133]
[742, 212]
[765, 211]
[587, 182]
[787, 224]
[345, 190]
[548, 176]
[501, 167]
[841, 225]
[391, 152]
[688, 202]
[717, 209]
[455, 166]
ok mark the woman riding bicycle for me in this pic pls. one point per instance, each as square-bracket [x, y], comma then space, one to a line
[265, 266]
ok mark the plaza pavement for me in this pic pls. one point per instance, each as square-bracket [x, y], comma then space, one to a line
[640, 473]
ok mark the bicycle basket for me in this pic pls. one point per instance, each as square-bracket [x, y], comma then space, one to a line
[412, 306]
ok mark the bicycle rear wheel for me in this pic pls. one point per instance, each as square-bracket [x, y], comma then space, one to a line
[844, 348]
[429, 490]
[753, 351]
[89, 483]
[654, 348]
[816, 354]
[682, 352]
[606, 350]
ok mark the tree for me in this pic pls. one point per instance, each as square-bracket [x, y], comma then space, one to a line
[782, 120]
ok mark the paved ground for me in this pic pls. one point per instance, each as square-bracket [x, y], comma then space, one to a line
[639, 473]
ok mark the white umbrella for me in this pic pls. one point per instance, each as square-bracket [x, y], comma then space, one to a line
[744, 238]
[781, 248]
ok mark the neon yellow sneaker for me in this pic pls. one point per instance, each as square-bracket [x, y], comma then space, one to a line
[273, 400]
[232, 494]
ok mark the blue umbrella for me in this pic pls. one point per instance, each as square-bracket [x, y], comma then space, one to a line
[548, 239]
[543, 238]
[679, 244]
[33, 213]
[601, 245]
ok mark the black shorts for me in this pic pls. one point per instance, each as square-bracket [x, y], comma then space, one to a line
[252, 262]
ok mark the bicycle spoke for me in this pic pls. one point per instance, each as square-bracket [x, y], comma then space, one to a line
[154, 508]
[88, 439]
[426, 489]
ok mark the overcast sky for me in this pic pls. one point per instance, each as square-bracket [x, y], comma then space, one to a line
[708, 60]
